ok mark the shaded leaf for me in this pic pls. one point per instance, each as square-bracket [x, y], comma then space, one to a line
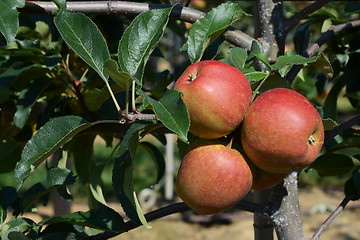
[96, 97]
[10, 155]
[27, 99]
[332, 164]
[103, 218]
[158, 158]
[323, 64]
[139, 40]
[171, 111]
[123, 80]
[206, 30]
[122, 178]
[47, 140]
[302, 37]
[84, 38]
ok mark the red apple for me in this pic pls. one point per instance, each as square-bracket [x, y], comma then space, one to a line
[282, 131]
[263, 179]
[212, 177]
[217, 96]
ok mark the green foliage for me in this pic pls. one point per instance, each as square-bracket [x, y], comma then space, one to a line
[57, 96]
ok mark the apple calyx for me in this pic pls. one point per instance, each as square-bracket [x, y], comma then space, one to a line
[192, 77]
[311, 140]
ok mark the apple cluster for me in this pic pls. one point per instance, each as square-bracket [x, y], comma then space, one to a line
[278, 133]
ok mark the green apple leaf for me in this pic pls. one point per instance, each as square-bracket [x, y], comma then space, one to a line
[103, 218]
[332, 164]
[56, 178]
[96, 97]
[302, 37]
[8, 195]
[76, 29]
[206, 30]
[171, 111]
[158, 158]
[323, 64]
[291, 59]
[140, 39]
[47, 140]
[61, 4]
[9, 20]
[27, 99]
[238, 57]
[10, 154]
[352, 186]
[122, 178]
[122, 79]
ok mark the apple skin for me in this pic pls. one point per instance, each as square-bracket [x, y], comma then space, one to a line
[212, 177]
[217, 96]
[282, 131]
[262, 179]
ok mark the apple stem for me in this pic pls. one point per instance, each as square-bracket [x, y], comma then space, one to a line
[230, 143]
[192, 77]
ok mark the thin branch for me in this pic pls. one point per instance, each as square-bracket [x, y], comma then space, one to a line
[331, 218]
[172, 209]
[184, 14]
[318, 43]
[341, 128]
[316, 5]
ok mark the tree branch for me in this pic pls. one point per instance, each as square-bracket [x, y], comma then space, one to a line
[331, 218]
[290, 76]
[316, 5]
[179, 12]
[341, 128]
[172, 209]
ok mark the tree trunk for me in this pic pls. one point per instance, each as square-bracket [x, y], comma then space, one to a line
[283, 198]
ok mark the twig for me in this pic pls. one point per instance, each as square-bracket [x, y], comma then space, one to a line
[331, 218]
[184, 14]
[172, 209]
[140, 116]
[290, 76]
[341, 128]
[316, 5]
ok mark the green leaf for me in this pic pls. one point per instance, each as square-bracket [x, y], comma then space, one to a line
[103, 218]
[56, 178]
[123, 171]
[47, 140]
[290, 59]
[9, 20]
[8, 195]
[96, 97]
[238, 57]
[172, 112]
[352, 186]
[323, 64]
[84, 38]
[332, 164]
[158, 158]
[5, 94]
[347, 143]
[10, 154]
[330, 104]
[61, 4]
[329, 124]
[302, 37]
[206, 30]
[123, 80]
[27, 99]
[254, 76]
[140, 39]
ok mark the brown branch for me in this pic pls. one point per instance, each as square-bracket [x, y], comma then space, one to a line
[341, 128]
[304, 13]
[184, 14]
[290, 76]
[172, 209]
[331, 218]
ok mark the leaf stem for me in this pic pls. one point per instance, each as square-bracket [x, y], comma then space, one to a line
[113, 98]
